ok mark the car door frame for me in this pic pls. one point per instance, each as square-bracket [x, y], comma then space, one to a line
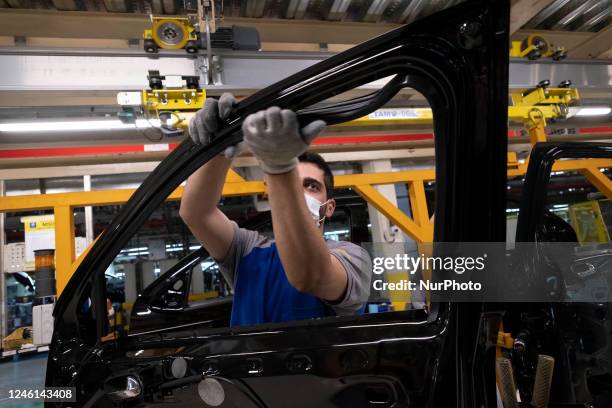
[541, 160]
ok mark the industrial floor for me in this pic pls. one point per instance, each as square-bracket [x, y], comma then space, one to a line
[25, 372]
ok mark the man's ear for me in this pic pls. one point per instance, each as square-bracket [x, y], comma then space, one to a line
[330, 207]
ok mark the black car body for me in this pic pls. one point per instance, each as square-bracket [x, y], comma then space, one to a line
[458, 59]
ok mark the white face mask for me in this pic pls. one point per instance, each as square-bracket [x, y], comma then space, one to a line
[314, 208]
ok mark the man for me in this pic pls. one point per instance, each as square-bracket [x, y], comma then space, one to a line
[298, 275]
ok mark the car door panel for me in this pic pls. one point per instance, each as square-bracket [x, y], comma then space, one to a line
[287, 355]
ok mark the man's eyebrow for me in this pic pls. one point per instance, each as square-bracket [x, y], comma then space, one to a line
[312, 180]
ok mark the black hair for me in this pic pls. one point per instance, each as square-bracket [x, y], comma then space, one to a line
[317, 160]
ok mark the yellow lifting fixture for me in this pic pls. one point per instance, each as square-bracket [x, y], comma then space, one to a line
[171, 100]
[534, 106]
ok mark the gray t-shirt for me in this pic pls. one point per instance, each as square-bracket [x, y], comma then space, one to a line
[355, 260]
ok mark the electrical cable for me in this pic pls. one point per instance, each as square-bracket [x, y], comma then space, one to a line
[168, 130]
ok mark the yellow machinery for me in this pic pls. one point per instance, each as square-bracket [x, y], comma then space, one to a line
[171, 33]
[178, 32]
[171, 100]
[535, 105]
[534, 47]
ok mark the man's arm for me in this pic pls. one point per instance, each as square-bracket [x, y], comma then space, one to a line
[308, 264]
[199, 207]
[204, 187]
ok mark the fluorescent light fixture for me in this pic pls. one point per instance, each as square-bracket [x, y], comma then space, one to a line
[134, 249]
[77, 125]
[336, 232]
[594, 111]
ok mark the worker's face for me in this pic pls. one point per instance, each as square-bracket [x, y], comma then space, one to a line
[312, 179]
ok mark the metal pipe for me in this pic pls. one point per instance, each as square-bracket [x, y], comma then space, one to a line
[209, 58]
[296, 8]
[605, 13]
[157, 7]
[253, 8]
[574, 14]
[546, 13]
[376, 10]
[412, 11]
[169, 7]
[338, 9]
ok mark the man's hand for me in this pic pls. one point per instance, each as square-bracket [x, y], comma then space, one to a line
[206, 121]
[274, 137]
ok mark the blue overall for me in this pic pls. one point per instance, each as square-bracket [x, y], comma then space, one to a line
[263, 294]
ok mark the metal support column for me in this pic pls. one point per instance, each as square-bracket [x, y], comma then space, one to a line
[129, 281]
[387, 237]
[64, 245]
[382, 229]
[89, 230]
[197, 280]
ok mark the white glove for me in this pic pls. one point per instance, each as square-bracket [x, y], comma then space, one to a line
[205, 123]
[276, 140]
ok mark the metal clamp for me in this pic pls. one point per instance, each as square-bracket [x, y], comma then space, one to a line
[210, 72]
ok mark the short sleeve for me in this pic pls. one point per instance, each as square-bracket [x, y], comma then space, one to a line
[243, 242]
[358, 266]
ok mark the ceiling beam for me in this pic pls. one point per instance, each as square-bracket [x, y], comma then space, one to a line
[596, 46]
[67, 24]
[522, 11]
